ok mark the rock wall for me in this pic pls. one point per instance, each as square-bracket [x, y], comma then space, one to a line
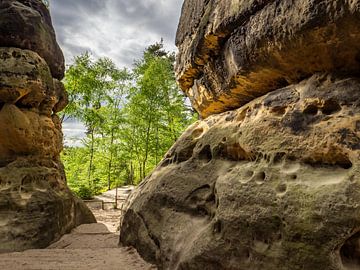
[233, 51]
[36, 206]
[270, 179]
[272, 185]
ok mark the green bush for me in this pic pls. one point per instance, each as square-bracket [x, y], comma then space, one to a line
[84, 192]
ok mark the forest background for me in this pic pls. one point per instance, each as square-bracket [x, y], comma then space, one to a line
[132, 117]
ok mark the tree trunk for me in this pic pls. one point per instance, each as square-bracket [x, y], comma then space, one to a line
[140, 171]
[131, 174]
[91, 158]
[157, 145]
[111, 158]
[146, 149]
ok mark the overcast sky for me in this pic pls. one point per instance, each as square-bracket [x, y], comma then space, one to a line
[118, 29]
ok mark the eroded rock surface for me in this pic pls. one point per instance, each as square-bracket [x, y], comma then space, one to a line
[234, 51]
[36, 206]
[272, 185]
[26, 24]
[270, 179]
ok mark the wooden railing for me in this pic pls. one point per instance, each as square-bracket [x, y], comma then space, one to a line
[103, 203]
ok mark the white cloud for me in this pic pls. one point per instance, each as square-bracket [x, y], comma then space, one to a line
[74, 133]
[118, 29]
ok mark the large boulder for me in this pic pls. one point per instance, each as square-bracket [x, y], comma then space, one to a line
[270, 179]
[36, 206]
[25, 78]
[231, 52]
[24, 132]
[26, 24]
[274, 185]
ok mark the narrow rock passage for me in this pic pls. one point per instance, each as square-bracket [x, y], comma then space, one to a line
[90, 246]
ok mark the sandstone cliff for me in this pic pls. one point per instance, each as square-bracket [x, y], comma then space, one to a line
[236, 50]
[272, 185]
[270, 179]
[36, 206]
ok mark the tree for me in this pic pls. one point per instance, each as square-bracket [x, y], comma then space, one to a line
[94, 88]
[156, 108]
[132, 117]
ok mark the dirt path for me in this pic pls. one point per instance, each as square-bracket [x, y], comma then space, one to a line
[110, 218]
[88, 247]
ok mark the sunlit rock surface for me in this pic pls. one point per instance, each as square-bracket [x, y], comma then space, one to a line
[36, 206]
[233, 51]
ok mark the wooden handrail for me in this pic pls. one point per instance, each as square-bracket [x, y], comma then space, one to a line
[103, 202]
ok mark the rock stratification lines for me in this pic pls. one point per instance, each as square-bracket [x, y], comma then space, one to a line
[231, 52]
[36, 206]
[270, 179]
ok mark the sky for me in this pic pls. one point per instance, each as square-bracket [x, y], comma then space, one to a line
[118, 29]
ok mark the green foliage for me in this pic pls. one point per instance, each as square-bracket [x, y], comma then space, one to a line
[132, 118]
[84, 192]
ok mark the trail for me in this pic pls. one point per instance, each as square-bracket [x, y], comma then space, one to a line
[88, 247]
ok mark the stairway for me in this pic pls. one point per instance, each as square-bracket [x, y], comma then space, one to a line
[88, 247]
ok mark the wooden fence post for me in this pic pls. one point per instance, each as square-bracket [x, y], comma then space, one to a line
[116, 197]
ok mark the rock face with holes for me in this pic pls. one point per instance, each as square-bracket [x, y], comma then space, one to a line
[36, 206]
[270, 179]
[26, 24]
[233, 51]
[272, 185]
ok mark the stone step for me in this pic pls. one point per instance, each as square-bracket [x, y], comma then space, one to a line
[87, 247]
[70, 259]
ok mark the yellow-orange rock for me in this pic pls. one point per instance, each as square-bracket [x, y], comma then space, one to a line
[25, 78]
[25, 132]
[36, 206]
[231, 52]
[270, 177]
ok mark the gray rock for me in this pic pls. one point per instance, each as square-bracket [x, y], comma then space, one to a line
[272, 185]
[36, 206]
[26, 24]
